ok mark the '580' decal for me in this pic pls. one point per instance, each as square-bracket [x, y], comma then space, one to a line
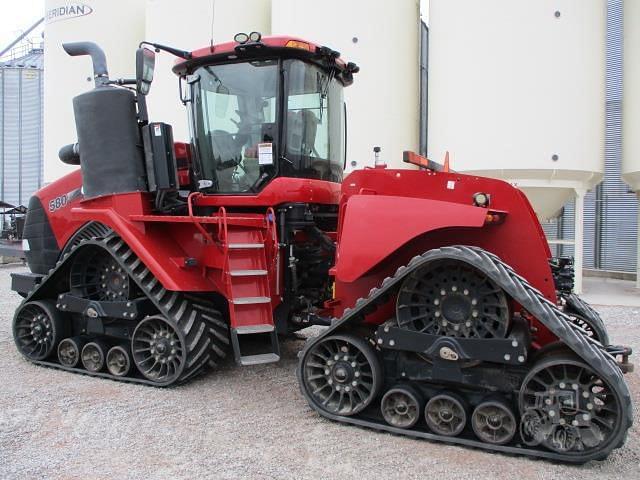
[62, 200]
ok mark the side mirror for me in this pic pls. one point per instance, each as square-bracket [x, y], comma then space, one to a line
[145, 64]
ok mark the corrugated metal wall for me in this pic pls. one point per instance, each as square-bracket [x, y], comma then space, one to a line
[21, 116]
[618, 205]
[610, 228]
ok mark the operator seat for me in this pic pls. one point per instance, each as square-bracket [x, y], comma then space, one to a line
[302, 130]
[226, 151]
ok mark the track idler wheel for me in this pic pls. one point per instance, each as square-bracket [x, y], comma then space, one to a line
[494, 422]
[446, 414]
[568, 408]
[159, 349]
[93, 356]
[401, 407]
[341, 374]
[69, 351]
[118, 361]
[37, 329]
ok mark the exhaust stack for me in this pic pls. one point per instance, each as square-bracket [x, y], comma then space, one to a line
[98, 58]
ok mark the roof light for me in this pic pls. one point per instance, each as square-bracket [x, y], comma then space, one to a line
[255, 36]
[298, 44]
[241, 38]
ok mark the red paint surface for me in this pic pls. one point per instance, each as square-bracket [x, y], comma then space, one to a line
[386, 217]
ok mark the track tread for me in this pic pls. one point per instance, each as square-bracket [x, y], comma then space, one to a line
[205, 334]
[534, 302]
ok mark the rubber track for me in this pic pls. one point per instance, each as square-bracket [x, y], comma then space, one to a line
[204, 331]
[591, 351]
[579, 306]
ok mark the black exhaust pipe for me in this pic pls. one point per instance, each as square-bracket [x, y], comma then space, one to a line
[97, 55]
[109, 145]
[70, 154]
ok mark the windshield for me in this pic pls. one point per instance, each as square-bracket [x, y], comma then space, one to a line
[314, 123]
[237, 124]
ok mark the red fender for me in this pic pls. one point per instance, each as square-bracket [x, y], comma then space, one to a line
[375, 226]
[161, 248]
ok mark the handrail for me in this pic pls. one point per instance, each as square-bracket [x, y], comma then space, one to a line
[271, 226]
[272, 229]
[223, 229]
[205, 233]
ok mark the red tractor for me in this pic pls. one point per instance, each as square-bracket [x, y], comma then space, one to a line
[446, 317]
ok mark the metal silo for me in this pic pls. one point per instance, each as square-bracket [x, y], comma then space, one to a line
[118, 27]
[21, 113]
[517, 91]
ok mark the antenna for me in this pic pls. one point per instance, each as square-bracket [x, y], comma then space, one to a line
[213, 14]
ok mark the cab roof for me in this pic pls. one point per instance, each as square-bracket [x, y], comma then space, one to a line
[270, 46]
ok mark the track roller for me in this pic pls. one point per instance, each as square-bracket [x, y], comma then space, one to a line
[494, 422]
[37, 329]
[342, 374]
[401, 407]
[69, 351]
[446, 414]
[93, 356]
[118, 361]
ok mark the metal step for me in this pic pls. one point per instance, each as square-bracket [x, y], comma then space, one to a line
[247, 273]
[248, 329]
[250, 300]
[259, 359]
[238, 246]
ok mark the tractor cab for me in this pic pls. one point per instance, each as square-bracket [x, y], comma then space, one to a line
[261, 108]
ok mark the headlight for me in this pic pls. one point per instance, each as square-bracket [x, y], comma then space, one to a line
[481, 199]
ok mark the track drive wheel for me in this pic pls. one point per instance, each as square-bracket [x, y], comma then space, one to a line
[568, 408]
[37, 329]
[454, 299]
[341, 374]
[96, 275]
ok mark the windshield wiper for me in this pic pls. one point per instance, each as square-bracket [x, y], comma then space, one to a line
[324, 89]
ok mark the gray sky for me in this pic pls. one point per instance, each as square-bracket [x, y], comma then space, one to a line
[17, 16]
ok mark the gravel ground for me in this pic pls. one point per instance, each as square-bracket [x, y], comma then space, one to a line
[249, 422]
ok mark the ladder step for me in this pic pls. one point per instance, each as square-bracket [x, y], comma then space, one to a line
[250, 300]
[237, 246]
[259, 359]
[247, 273]
[248, 329]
